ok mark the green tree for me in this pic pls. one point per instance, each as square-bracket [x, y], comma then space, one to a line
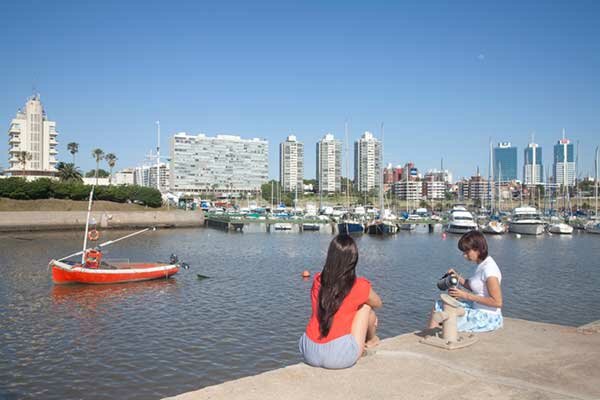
[98, 154]
[102, 173]
[73, 149]
[68, 172]
[111, 159]
[22, 157]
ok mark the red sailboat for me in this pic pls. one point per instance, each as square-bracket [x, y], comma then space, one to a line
[93, 270]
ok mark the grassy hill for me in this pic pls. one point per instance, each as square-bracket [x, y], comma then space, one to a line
[68, 205]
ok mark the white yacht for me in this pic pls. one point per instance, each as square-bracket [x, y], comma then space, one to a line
[527, 221]
[461, 221]
[556, 225]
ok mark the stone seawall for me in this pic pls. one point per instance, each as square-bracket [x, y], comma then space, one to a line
[57, 220]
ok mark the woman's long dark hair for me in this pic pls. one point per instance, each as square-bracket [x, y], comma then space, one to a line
[337, 278]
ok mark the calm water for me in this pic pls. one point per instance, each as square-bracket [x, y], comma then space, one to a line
[159, 338]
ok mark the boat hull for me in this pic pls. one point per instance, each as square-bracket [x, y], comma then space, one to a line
[562, 229]
[350, 227]
[131, 272]
[494, 228]
[382, 228]
[526, 228]
[460, 229]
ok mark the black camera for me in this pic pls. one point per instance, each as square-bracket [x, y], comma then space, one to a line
[447, 281]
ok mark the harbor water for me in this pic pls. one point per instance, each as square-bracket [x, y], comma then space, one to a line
[154, 339]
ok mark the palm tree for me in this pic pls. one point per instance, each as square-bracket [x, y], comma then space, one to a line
[111, 159]
[68, 172]
[73, 148]
[23, 156]
[98, 154]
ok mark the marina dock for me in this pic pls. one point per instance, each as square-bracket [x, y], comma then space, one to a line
[523, 360]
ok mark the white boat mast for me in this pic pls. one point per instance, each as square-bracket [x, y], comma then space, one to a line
[596, 188]
[381, 158]
[87, 224]
[158, 156]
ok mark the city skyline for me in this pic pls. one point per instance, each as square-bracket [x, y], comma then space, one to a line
[444, 78]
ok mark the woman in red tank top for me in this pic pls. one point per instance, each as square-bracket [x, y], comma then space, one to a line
[342, 322]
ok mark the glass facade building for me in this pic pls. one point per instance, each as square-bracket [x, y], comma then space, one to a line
[564, 162]
[505, 162]
[533, 170]
[222, 163]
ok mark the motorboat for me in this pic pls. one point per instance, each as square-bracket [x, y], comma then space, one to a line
[461, 221]
[382, 227]
[407, 227]
[526, 221]
[561, 228]
[350, 227]
[494, 227]
[282, 226]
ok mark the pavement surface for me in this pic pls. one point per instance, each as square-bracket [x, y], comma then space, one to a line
[524, 360]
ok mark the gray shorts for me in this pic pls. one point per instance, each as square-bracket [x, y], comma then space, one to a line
[339, 353]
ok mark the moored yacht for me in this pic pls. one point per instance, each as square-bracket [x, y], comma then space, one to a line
[527, 221]
[461, 221]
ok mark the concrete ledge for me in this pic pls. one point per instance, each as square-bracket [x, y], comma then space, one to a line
[52, 220]
[524, 360]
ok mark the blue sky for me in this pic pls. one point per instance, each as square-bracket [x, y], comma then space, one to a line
[444, 77]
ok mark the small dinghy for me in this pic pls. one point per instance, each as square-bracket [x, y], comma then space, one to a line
[95, 271]
[560, 228]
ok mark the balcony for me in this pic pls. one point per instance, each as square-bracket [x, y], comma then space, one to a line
[53, 151]
[14, 149]
[14, 139]
[53, 141]
[14, 128]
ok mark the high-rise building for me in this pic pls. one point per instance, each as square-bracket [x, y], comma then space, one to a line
[505, 162]
[291, 165]
[329, 164]
[367, 163]
[533, 170]
[564, 162]
[222, 163]
[146, 176]
[32, 141]
[408, 190]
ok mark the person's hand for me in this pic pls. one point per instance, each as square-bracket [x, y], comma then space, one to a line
[457, 293]
[451, 271]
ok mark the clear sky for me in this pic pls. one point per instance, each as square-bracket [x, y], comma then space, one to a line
[443, 76]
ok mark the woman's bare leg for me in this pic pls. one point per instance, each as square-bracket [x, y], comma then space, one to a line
[364, 327]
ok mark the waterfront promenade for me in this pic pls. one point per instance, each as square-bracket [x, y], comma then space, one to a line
[60, 220]
[524, 360]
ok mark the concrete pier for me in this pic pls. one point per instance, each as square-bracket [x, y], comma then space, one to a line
[524, 360]
[59, 220]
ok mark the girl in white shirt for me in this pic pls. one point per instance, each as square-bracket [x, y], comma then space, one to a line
[483, 298]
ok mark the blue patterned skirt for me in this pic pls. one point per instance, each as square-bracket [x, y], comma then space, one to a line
[475, 319]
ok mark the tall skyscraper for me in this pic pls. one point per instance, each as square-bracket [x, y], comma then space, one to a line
[329, 164]
[505, 162]
[533, 170]
[31, 132]
[291, 165]
[367, 163]
[223, 163]
[564, 162]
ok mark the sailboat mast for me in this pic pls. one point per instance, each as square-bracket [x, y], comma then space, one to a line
[87, 224]
[596, 189]
[347, 167]
[381, 158]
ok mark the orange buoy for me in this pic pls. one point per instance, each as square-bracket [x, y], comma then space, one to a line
[305, 274]
[93, 235]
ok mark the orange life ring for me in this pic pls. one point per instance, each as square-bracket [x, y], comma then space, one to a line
[93, 235]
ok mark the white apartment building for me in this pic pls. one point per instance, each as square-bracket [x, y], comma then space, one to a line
[31, 132]
[434, 190]
[367, 163]
[408, 190]
[221, 163]
[146, 176]
[124, 177]
[329, 164]
[291, 164]
[533, 170]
